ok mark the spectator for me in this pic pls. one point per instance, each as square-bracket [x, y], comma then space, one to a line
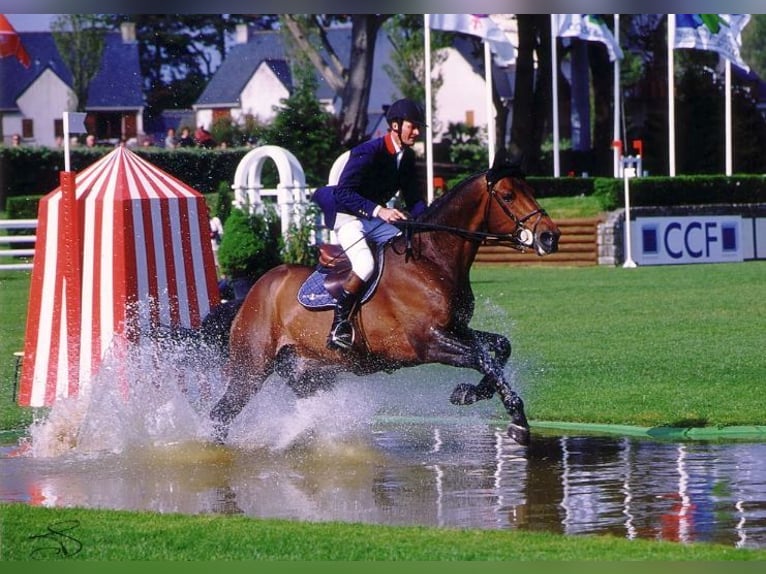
[90, 140]
[216, 232]
[203, 138]
[16, 140]
[170, 139]
[185, 139]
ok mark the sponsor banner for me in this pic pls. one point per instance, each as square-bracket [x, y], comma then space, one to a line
[687, 239]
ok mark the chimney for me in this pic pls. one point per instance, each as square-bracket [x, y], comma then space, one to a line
[242, 35]
[128, 30]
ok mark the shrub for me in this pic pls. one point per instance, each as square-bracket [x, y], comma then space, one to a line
[251, 244]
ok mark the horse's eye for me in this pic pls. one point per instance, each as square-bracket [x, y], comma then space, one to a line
[508, 196]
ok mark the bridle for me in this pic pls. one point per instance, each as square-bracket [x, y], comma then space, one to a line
[521, 238]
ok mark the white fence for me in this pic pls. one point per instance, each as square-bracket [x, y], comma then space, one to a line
[10, 253]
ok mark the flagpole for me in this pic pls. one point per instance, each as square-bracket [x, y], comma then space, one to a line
[616, 100]
[490, 105]
[728, 118]
[555, 98]
[671, 98]
[429, 111]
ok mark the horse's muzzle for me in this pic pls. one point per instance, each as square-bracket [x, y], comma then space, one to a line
[547, 242]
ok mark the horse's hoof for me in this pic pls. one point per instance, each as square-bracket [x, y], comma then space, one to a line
[463, 394]
[519, 434]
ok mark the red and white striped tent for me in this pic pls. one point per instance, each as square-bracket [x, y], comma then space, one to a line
[122, 248]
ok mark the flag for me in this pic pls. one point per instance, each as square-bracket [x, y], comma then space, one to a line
[717, 32]
[591, 28]
[10, 43]
[480, 25]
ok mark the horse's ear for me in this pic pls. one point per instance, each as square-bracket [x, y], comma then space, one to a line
[506, 163]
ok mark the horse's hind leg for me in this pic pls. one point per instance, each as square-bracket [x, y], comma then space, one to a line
[244, 383]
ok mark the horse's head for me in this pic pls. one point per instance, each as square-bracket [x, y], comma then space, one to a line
[513, 215]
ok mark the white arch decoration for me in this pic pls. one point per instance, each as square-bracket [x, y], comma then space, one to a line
[291, 194]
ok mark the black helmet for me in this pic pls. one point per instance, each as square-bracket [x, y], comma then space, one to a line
[405, 109]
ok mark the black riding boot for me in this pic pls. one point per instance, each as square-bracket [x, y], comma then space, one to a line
[342, 332]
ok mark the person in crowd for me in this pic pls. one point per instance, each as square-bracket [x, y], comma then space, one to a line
[185, 140]
[171, 142]
[203, 138]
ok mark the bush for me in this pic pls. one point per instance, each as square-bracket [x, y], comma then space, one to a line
[251, 244]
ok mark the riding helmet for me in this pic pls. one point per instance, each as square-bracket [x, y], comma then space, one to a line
[405, 109]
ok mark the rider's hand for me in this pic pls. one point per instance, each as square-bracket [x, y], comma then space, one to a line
[390, 215]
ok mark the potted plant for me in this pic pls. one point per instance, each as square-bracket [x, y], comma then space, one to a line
[250, 246]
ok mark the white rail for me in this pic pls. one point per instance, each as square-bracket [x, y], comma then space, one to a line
[10, 240]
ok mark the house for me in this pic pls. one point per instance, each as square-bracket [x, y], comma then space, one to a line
[32, 100]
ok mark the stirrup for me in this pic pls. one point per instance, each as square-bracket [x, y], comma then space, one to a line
[341, 337]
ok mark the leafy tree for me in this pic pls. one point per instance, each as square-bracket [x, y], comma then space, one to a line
[753, 50]
[304, 128]
[80, 40]
[352, 79]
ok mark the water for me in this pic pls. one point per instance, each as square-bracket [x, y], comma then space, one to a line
[384, 450]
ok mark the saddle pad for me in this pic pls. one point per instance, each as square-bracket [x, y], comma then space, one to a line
[314, 296]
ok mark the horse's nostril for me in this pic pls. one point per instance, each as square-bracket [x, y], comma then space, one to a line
[549, 240]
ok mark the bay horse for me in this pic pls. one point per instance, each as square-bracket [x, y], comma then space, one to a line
[419, 313]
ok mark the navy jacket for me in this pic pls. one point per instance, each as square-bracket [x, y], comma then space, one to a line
[371, 178]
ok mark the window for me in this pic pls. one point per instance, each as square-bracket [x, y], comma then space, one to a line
[28, 128]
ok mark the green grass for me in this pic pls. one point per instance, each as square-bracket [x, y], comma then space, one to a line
[14, 294]
[671, 345]
[118, 535]
[571, 207]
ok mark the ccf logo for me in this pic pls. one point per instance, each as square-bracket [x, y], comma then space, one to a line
[674, 240]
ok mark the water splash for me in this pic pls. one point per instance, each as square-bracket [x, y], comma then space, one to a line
[160, 393]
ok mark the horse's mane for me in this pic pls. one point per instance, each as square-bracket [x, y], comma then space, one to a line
[500, 169]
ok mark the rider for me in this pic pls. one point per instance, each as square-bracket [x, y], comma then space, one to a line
[356, 207]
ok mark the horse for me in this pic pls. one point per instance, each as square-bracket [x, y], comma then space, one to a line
[419, 313]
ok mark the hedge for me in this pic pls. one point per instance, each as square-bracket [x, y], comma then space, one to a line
[35, 171]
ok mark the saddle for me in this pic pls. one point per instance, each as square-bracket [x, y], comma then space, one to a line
[324, 285]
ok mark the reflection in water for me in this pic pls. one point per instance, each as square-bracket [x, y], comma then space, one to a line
[447, 474]
[367, 453]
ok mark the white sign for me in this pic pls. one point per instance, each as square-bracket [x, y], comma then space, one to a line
[687, 239]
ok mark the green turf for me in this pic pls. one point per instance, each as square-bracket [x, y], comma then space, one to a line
[116, 535]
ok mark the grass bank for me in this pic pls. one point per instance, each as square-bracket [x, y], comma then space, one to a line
[116, 535]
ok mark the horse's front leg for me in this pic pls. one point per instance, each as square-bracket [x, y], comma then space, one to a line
[494, 355]
[487, 353]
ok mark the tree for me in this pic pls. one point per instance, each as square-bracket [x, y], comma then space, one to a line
[80, 40]
[532, 92]
[350, 80]
[407, 68]
[304, 128]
